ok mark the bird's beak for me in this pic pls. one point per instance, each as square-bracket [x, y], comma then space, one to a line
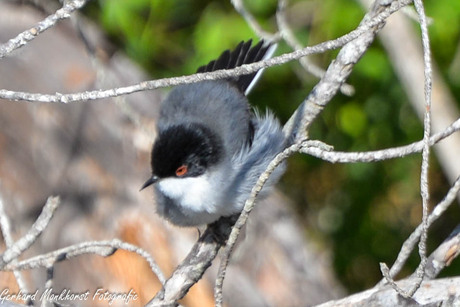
[149, 182]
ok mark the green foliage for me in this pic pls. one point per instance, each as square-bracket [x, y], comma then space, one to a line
[364, 211]
[212, 35]
[336, 18]
[262, 8]
[445, 30]
[352, 119]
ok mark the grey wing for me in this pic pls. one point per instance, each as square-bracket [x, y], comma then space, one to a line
[268, 141]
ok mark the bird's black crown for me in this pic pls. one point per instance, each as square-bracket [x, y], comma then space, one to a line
[192, 145]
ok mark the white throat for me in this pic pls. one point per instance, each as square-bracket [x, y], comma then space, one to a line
[192, 193]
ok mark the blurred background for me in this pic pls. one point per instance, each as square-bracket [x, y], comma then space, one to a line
[352, 215]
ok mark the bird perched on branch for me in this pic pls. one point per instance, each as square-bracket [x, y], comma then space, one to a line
[211, 146]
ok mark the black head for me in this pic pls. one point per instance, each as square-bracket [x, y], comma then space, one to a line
[185, 151]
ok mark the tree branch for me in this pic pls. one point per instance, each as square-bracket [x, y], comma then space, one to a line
[31, 236]
[252, 22]
[195, 264]
[444, 254]
[101, 248]
[25, 37]
[440, 292]
[339, 70]
[409, 244]
[289, 37]
[424, 191]
[380, 155]
[5, 227]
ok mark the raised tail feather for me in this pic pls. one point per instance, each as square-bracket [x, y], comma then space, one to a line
[242, 54]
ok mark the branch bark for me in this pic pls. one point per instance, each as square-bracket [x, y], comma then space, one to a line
[339, 70]
[195, 264]
[25, 37]
[440, 292]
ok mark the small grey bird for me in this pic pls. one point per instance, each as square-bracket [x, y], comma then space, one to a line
[211, 147]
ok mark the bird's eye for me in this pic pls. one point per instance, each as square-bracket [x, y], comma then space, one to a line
[181, 170]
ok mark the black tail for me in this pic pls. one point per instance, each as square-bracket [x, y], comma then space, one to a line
[242, 54]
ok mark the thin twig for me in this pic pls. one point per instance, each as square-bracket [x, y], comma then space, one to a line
[195, 264]
[150, 260]
[48, 284]
[101, 248]
[424, 188]
[252, 22]
[289, 37]
[248, 206]
[410, 243]
[25, 37]
[379, 155]
[31, 236]
[5, 227]
[425, 193]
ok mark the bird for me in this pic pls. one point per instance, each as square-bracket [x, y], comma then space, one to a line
[212, 146]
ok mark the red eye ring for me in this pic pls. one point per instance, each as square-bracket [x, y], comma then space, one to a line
[181, 170]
